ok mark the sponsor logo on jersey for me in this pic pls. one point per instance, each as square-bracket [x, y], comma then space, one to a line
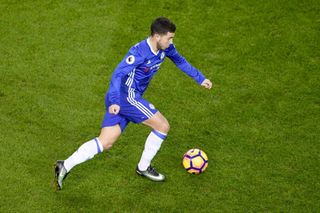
[156, 66]
[130, 59]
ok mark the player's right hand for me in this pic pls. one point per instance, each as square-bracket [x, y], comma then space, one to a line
[114, 109]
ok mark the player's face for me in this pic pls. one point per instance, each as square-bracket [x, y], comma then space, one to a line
[165, 40]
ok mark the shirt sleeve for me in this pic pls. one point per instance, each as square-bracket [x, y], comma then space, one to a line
[132, 60]
[184, 65]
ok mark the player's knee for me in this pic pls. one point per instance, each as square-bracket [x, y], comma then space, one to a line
[105, 144]
[108, 136]
[164, 127]
[167, 127]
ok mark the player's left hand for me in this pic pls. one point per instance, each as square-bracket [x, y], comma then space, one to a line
[207, 84]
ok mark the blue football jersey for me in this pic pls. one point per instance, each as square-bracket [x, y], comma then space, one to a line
[137, 68]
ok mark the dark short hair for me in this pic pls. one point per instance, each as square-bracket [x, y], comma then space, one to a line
[162, 26]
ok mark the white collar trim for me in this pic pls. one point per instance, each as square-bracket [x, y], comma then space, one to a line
[149, 44]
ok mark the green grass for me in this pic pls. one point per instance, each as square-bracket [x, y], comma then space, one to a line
[259, 126]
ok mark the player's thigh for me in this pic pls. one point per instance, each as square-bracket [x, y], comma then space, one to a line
[109, 135]
[158, 122]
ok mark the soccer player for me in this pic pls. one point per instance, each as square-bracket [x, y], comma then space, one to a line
[125, 103]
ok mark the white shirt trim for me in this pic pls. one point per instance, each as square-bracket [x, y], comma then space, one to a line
[149, 44]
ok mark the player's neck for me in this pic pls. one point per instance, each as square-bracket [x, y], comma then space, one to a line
[153, 44]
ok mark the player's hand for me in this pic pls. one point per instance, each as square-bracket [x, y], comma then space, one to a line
[207, 84]
[114, 109]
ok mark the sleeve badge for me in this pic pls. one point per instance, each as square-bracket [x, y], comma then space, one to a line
[130, 59]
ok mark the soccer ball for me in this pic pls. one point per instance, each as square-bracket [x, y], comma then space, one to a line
[195, 161]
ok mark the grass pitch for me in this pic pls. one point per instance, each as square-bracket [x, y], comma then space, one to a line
[259, 125]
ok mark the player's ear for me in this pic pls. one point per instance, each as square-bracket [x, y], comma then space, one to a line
[157, 36]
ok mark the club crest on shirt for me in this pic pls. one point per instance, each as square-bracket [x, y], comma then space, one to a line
[130, 59]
